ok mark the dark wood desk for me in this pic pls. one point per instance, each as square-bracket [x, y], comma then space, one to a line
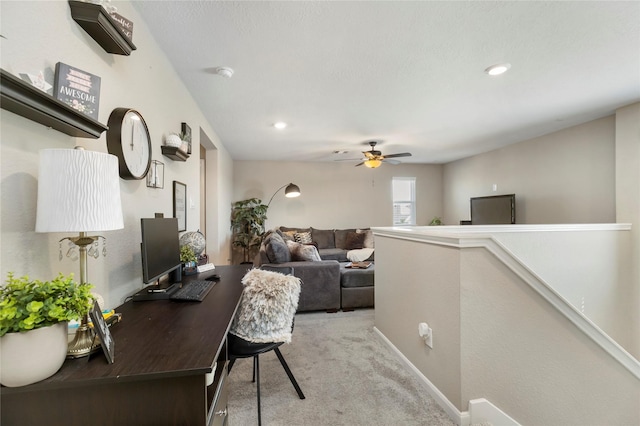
[163, 351]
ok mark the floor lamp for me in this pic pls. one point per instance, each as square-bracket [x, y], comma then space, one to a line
[79, 191]
[292, 191]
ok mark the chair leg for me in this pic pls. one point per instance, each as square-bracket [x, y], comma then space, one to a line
[289, 373]
[230, 365]
[256, 372]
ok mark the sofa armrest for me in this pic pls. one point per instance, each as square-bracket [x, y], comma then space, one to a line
[320, 284]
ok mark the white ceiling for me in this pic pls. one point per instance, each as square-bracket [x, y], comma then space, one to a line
[409, 74]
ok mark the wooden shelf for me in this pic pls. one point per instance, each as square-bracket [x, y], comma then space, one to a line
[174, 153]
[23, 99]
[95, 20]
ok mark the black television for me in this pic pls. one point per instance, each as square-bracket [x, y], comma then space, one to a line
[160, 248]
[493, 210]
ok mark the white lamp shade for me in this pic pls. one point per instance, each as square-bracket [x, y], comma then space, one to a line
[78, 191]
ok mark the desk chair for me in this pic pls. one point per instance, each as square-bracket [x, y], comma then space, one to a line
[256, 329]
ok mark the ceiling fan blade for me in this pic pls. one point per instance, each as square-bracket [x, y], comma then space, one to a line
[402, 154]
[360, 164]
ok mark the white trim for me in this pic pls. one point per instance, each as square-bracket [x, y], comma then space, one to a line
[462, 240]
[483, 411]
[461, 418]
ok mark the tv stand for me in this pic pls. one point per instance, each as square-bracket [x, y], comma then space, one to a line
[164, 352]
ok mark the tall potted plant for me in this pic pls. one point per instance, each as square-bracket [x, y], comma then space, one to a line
[33, 326]
[248, 218]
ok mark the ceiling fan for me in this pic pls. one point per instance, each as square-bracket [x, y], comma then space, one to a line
[374, 158]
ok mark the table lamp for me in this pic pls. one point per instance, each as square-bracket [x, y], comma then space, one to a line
[79, 191]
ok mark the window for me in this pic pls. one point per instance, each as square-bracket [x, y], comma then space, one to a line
[404, 201]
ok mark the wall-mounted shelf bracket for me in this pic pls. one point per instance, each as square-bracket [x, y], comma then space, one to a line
[95, 20]
[23, 99]
[174, 153]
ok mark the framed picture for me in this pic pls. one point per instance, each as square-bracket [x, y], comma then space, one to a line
[186, 133]
[102, 332]
[180, 204]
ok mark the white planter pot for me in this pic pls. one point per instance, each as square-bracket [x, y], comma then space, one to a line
[31, 356]
[173, 141]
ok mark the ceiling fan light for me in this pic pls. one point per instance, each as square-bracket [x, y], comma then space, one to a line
[372, 164]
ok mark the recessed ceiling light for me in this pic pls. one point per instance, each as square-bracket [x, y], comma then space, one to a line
[497, 69]
[223, 71]
[280, 125]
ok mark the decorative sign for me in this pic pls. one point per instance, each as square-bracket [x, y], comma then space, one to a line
[186, 134]
[78, 89]
[102, 331]
[125, 25]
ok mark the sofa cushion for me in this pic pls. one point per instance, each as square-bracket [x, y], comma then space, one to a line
[341, 237]
[324, 238]
[333, 254]
[276, 249]
[355, 240]
[303, 252]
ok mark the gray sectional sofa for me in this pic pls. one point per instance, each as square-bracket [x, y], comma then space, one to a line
[320, 258]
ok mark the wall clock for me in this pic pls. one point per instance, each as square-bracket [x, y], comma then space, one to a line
[128, 139]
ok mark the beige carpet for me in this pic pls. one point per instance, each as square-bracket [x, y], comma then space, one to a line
[349, 377]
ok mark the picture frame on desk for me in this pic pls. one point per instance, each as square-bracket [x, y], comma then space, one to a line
[180, 204]
[102, 332]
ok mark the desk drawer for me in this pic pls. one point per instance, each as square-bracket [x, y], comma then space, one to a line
[218, 413]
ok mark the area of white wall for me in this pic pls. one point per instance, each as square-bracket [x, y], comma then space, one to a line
[145, 81]
[628, 194]
[564, 177]
[515, 348]
[336, 194]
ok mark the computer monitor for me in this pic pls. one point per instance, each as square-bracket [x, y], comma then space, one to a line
[493, 210]
[160, 248]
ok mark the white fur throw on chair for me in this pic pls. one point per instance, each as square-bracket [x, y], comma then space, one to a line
[268, 305]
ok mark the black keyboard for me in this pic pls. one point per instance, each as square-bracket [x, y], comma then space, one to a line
[194, 291]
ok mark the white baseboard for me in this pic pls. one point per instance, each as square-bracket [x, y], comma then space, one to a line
[461, 418]
[483, 411]
[480, 410]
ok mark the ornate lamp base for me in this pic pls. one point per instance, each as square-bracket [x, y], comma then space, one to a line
[84, 343]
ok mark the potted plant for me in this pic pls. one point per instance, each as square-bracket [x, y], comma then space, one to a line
[247, 223]
[33, 325]
[189, 260]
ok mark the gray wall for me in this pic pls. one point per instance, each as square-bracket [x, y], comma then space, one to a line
[336, 194]
[563, 177]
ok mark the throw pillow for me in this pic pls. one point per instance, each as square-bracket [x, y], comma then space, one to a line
[267, 308]
[302, 237]
[354, 241]
[368, 237]
[303, 252]
[276, 249]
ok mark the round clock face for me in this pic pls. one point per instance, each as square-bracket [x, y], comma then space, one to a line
[128, 139]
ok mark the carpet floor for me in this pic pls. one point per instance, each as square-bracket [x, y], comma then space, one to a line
[348, 375]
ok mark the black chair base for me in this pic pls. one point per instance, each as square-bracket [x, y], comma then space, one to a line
[240, 348]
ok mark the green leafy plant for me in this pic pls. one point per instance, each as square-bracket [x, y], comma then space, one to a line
[187, 255]
[29, 304]
[247, 223]
[436, 221]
